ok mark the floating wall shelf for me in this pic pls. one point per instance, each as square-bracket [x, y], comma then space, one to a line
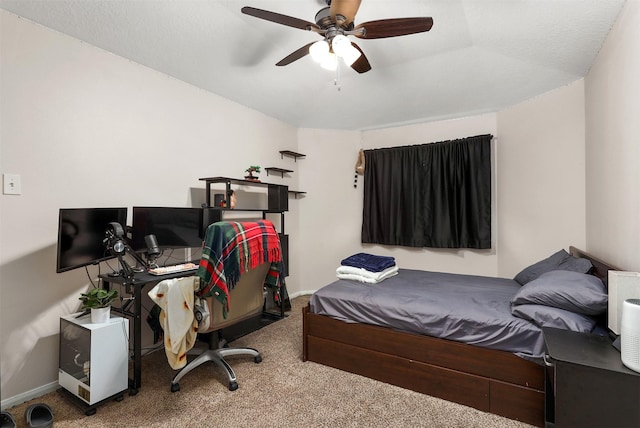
[289, 153]
[282, 171]
[296, 193]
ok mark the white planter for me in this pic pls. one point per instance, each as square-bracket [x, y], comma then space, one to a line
[100, 315]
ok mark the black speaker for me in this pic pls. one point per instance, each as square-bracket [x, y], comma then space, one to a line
[209, 216]
[278, 198]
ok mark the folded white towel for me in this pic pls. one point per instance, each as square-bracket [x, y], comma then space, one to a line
[365, 276]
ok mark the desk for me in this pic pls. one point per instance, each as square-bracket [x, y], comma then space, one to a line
[587, 384]
[134, 287]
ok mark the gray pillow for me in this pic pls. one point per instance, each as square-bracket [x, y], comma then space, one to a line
[546, 316]
[572, 291]
[560, 260]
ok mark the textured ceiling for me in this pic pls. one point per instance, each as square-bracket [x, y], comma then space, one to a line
[480, 56]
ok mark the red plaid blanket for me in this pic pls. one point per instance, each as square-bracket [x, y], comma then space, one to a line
[232, 248]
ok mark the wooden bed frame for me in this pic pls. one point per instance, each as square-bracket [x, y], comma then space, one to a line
[490, 380]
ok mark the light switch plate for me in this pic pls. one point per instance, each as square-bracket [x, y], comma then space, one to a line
[11, 184]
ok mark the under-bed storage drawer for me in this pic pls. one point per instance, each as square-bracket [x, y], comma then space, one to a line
[488, 380]
[489, 363]
[488, 395]
[424, 378]
[517, 402]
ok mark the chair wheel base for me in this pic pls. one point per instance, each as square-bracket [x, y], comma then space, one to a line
[258, 359]
[175, 387]
[233, 386]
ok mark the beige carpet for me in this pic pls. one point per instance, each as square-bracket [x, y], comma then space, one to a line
[282, 391]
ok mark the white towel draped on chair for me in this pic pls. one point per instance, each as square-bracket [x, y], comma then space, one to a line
[176, 299]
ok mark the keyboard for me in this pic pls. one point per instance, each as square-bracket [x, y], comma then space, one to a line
[166, 270]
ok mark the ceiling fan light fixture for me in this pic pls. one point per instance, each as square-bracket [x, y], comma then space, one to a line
[330, 62]
[334, 23]
[340, 45]
[351, 55]
[343, 48]
[319, 51]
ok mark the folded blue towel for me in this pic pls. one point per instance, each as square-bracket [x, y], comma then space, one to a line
[370, 262]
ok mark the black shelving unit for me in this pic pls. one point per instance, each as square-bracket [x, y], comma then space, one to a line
[277, 194]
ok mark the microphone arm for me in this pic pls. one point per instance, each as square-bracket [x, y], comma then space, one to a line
[135, 255]
[116, 244]
[127, 271]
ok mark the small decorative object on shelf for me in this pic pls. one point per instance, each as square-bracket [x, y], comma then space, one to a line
[232, 199]
[98, 300]
[220, 201]
[251, 170]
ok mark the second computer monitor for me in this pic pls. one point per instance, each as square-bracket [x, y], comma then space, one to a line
[173, 227]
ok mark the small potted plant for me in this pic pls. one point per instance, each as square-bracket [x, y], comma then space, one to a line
[251, 170]
[99, 301]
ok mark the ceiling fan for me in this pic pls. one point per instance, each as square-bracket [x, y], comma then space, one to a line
[334, 23]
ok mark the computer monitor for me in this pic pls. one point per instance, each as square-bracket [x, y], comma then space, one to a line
[173, 227]
[81, 232]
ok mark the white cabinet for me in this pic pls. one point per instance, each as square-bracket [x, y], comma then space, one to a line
[94, 357]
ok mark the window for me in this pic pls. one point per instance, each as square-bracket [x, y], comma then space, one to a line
[430, 195]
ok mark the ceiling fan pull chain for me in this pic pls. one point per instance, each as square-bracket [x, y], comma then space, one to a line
[336, 81]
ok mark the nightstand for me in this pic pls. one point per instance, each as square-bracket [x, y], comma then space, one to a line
[586, 383]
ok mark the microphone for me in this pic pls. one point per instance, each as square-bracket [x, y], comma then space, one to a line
[153, 252]
[152, 245]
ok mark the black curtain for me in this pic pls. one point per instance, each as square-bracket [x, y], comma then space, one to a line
[429, 195]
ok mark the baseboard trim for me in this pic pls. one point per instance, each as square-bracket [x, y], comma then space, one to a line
[300, 293]
[29, 395]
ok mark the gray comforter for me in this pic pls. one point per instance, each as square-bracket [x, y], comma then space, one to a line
[465, 308]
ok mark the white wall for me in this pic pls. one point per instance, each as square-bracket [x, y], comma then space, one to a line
[331, 213]
[612, 103]
[85, 128]
[541, 178]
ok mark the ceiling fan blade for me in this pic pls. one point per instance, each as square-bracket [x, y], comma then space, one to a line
[346, 8]
[279, 18]
[393, 27]
[296, 55]
[361, 65]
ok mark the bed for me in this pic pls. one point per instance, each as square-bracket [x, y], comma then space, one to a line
[492, 377]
